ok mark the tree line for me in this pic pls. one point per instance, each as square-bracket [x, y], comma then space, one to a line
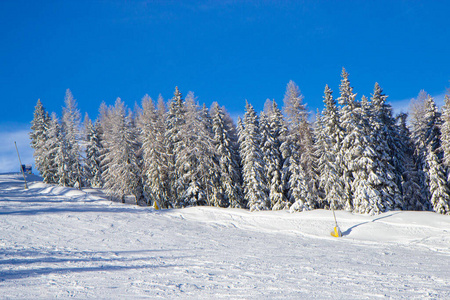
[355, 156]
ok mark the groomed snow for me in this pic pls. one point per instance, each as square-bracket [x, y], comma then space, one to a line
[59, 242]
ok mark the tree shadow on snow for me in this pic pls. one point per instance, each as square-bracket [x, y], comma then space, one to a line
[349, 230]
[22, 267]
[75, 209]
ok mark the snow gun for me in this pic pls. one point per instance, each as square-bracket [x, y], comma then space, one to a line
[336, 231]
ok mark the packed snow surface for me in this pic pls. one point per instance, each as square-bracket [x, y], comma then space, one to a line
[59, 242]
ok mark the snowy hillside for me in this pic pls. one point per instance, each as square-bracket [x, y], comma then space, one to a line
[60, 242]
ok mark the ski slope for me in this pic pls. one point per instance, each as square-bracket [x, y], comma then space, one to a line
[59, 242]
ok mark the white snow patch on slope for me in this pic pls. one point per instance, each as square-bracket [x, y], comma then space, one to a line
[59, 242]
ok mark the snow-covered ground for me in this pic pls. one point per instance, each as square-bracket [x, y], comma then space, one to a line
[58, 242]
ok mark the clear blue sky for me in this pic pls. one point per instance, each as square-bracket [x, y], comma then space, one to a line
[225, 51]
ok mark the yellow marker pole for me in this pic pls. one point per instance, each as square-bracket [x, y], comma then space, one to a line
[336, 232]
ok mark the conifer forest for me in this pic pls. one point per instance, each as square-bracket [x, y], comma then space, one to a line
[355, 156]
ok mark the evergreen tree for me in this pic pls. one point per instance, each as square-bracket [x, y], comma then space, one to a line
[71, 135]
[297, 151]
[94, 147]
[155, 165]
[419, 126]
[175, 120]
[104, 127]
[389, 150]
[272, 130]
[329, 136]
[209, 162]
[146, 119]
[122, 170]
[254, 181]
[230, 189]
[437, 182]
[348, 120]
[52, 148]
[39, 136]
[61, 153]
[445, 133]
[366, 164]
[411, 184]
[432, 141]
[418, 135]
[195, 160]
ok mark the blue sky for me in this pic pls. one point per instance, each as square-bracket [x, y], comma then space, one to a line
[224, 51]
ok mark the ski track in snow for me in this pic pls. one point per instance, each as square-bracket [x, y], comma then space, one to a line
[59, 242]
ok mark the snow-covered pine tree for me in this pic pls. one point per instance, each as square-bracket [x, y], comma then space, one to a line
[103, 118]
[39, 136]
[152, 122]
[254, 181]
[61, 154]
[411, 183]
[365, 163]
[329, 136]
[347, 101]
[320, 155]
[389, 150]
[93, 176]
[228, 158]
[437, 182]
[71, 135]
[122, 171]
[51, 148]
[419, 125]
[266, 148]
[195, 162]
[297, 151]
[209, 162]
[272, 130]
[175, 120]
[158, 172]
[104, 126]
[432, 141]
[445, 134]
[145, 120]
